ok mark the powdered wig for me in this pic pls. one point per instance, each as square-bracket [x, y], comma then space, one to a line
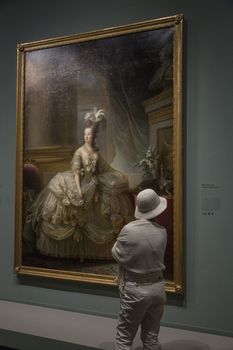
[93, 120]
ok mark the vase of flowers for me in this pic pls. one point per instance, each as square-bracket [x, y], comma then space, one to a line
[148, 164]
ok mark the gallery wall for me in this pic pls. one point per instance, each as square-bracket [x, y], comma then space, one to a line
[208, 125]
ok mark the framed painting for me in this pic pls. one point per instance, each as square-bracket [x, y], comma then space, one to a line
[99, 118]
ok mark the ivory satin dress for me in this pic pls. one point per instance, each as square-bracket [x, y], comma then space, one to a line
[67, 226]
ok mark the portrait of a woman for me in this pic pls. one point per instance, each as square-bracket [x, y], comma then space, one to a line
[81, 211]
[96, 124]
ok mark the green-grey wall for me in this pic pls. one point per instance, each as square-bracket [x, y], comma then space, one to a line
[208, 159]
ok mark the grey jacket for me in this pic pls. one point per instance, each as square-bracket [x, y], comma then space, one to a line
[140, 247]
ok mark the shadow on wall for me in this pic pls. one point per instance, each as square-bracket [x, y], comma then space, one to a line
[173, 345]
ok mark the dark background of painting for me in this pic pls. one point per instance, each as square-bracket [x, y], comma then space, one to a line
[208, 134]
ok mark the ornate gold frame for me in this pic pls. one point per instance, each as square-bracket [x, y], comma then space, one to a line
[177, 284]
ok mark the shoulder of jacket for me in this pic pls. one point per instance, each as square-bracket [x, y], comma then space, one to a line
[134, 224]
[159, 227]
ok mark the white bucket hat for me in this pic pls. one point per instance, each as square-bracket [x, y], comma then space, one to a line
[149, 204]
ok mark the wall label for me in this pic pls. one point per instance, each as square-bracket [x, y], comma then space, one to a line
[210, 199]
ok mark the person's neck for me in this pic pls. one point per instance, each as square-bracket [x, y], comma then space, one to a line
[89, 147]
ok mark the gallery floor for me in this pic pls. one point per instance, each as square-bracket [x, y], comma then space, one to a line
[70, 331]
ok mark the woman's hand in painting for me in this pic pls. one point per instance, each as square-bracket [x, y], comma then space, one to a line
[81, 203]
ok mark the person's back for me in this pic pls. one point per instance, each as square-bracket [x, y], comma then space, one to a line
[139, 251]
[140, 247]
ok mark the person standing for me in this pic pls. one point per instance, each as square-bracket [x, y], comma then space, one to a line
[139, 251]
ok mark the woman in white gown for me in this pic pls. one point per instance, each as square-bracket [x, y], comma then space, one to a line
[80, 212]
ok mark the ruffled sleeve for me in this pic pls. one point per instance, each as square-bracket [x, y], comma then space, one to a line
[77, 163]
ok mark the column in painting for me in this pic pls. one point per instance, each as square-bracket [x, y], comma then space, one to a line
[159, 110]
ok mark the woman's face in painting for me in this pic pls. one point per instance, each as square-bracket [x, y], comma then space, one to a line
[88, 136]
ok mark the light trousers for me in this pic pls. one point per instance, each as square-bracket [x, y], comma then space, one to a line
[140, 304]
